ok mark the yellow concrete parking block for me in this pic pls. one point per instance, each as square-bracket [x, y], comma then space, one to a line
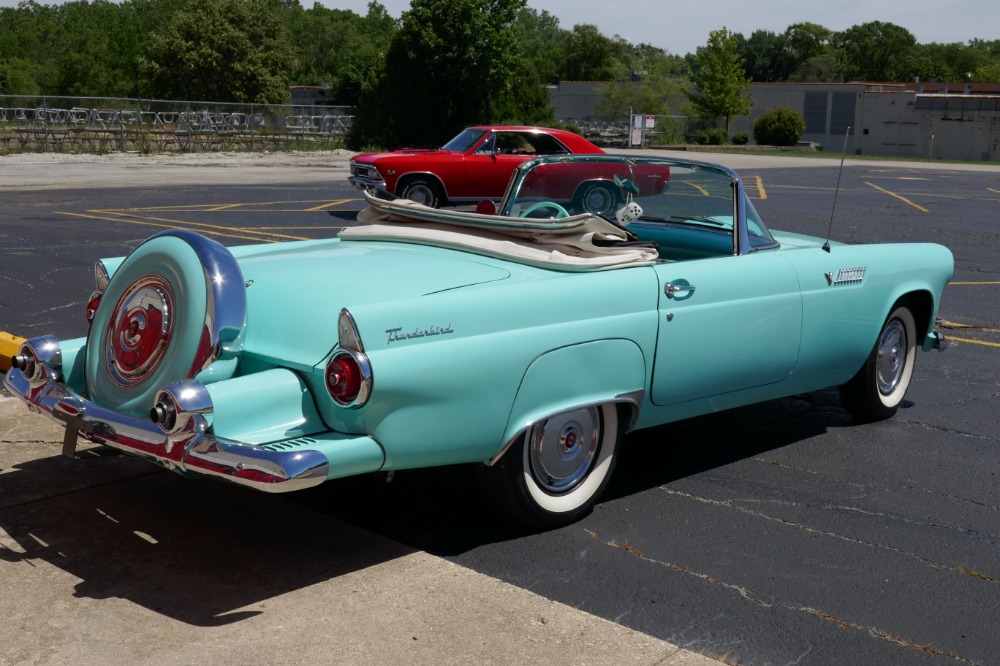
[9, 345]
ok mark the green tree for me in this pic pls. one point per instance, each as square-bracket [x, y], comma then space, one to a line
[822, 68]
[767, 56]
[720, 84]
[221, 51]
[876, 51]
[587, 55]
[452, 63]
[538, 34]
[339, 48]
[807, 40]
[653, 78]
[989, 73]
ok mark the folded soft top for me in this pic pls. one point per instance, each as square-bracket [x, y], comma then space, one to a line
[582, 242]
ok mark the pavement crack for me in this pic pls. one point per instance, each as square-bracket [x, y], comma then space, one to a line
[866, 488]
[732, 504]
[766, 601]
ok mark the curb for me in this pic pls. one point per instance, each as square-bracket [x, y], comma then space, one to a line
[9, 345]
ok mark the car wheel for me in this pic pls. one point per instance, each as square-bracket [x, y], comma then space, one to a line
[597, 198]
[172, 307]
[555, 472]
[877, 389]
[424, 191]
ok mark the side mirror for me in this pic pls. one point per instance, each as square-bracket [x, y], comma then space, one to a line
[627, 184]
[486, 207]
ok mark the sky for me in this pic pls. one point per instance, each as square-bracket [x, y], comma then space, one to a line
[681, 27]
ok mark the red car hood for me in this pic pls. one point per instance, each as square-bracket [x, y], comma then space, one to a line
[371, 157]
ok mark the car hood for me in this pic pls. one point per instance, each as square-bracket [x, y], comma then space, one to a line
[369, 158]
[296, 291]
[791, 240]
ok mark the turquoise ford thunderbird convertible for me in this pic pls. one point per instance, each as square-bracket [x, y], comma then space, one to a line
[604, 294]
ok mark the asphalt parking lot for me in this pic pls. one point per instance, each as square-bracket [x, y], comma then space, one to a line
[783, 533]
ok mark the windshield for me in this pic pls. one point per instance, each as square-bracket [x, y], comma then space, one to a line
[465, 140]
[666, 192]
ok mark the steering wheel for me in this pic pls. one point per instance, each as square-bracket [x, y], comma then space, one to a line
[560, 211]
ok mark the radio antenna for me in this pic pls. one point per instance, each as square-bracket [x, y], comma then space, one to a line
[843, 153]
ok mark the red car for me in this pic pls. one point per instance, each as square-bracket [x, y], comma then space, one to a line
[475, 165]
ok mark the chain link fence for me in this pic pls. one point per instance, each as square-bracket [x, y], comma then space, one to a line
[100, 125]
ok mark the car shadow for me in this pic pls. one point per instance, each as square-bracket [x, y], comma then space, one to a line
[202, 552]
[205, 553]
[347, 215]
[441, 510]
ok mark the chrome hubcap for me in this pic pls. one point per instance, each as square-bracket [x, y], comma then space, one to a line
[562, 449]
[598, 200]
[420, 194]
[891, 357]
[140, 331]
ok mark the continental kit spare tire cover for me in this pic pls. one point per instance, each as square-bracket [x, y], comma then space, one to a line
[175, 305]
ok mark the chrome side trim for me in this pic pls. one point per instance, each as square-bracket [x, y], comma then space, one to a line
[633, 398]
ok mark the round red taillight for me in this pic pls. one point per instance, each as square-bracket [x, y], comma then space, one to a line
[344, 378]
[92, 304]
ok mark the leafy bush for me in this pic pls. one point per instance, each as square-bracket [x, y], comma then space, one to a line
[740, 139]
[713, 136]
[779, 127]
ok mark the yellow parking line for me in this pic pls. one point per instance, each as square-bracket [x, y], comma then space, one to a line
[974, 342]
[697, 187]
[893, 194]
[176, 225]
[760, 188]
[9, 346]
[328, 205]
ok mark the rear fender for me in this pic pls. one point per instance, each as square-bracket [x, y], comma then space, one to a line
[589, 373]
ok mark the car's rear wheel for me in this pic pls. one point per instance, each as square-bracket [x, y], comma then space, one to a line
[597, 198]
[878, 388]
[168, 312]
[423, 190]
[554, 474]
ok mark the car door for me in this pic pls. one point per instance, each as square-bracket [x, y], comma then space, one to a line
[726, 323]
[487, 169]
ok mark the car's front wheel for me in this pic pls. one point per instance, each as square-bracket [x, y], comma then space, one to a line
[597, 198]
[877, 390]
[423, 190]
[554, 474]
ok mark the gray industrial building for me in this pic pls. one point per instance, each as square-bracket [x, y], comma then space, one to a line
[931, 120]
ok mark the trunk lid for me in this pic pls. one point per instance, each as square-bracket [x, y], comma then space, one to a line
[297, 290]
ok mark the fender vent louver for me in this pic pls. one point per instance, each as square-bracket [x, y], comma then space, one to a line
[290, 444]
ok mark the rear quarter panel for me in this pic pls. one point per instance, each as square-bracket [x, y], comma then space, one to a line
[448, 397]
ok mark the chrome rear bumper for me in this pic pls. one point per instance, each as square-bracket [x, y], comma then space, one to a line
[278, 467]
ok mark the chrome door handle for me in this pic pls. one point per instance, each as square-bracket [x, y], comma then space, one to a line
[670, 289]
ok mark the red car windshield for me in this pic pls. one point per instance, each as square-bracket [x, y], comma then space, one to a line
[465, 140]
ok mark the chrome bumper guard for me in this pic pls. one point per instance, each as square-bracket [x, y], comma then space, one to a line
[190, 449]
[366, 183]
[935, 340]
